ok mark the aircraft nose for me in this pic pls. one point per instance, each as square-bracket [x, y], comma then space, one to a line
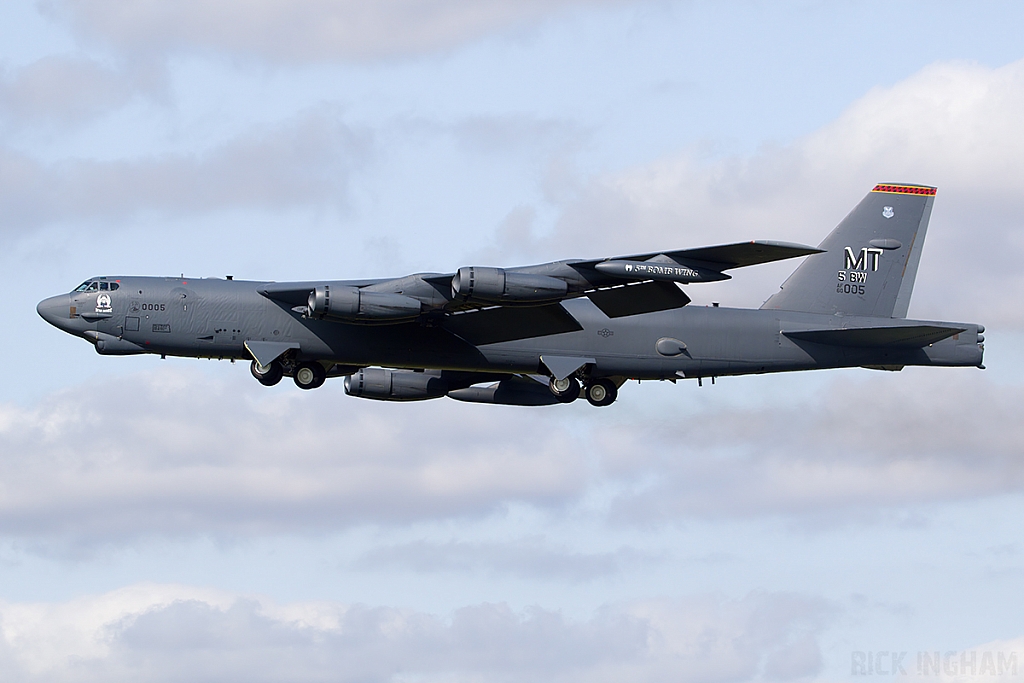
[56, 310]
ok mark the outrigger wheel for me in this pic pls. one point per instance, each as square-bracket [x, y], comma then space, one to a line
[602, 392]
[565, 390]
[267, 375]
[309, 375]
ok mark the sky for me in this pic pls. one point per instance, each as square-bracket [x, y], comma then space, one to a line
[174, 520]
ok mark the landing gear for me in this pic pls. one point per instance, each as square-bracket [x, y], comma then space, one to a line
[267, 375]
[565, 390]
[309, 375]
[602, 392]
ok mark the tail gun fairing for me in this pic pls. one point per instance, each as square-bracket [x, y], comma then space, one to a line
[549, 333]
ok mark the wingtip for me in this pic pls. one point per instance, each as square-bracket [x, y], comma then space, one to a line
[789, 245]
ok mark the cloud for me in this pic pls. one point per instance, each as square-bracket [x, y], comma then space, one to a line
[299, 30]
[528, 557]
[166, 632]
[181, 454]
[1000, 661]
[65, 90]
[310, 160]
[305, 161]
[954, 125]
[856, 446]
[174, 453]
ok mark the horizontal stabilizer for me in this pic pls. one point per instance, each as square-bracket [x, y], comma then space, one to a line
[904, 336]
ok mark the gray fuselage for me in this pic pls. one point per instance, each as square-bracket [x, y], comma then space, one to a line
[213, 318]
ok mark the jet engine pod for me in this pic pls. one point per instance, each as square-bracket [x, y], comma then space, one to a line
[395, 385]
[352, 304]
[498, 286]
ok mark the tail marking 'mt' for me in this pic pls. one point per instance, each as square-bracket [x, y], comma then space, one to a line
[870, 260]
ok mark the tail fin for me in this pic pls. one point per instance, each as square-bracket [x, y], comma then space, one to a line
[870, 259]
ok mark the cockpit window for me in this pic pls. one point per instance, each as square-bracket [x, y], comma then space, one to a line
[92, 286]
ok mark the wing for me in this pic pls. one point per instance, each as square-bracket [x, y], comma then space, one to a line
[741, 254]
[704, 264]
[620, 286]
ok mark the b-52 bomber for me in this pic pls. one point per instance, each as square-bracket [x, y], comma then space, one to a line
[544, 334]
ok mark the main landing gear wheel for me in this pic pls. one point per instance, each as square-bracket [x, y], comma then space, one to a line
[309, 375]
[602, 392]
[267, 375]
[565, 390]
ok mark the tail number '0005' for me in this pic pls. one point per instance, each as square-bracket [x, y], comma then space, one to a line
[847, 288]
[154, 307]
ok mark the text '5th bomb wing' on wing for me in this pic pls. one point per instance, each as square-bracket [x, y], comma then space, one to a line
[472, 287]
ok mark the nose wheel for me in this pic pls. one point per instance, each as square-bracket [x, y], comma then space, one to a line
[309, 375]
[602, 392]
[267, 375]
[565, 390]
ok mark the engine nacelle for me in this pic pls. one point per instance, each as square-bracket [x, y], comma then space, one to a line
[498, 286]
[354, 305]
[395, 385]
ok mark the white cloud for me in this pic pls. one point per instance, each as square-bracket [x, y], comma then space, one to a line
[180, 454]
[300, 30]
[64, 90]
[167, 632]
[1000, 661]
[173, 453]
[953, 125]
[527, 558]
[856, 446]
[304, 161]
[39, 637]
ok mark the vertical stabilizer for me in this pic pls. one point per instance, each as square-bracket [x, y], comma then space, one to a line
[870, 260]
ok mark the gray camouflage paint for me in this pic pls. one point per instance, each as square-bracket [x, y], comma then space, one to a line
[842, 305]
